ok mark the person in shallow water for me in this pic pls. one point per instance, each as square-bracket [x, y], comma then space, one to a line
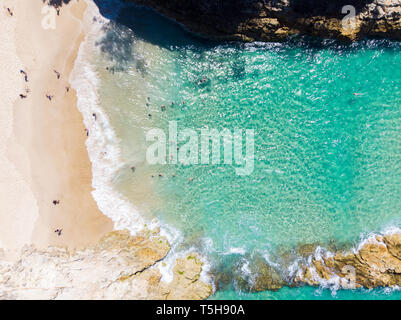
[202, 81]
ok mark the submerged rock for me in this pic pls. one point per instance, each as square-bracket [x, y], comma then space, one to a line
[267, 278]
[277, 20]
[257, 275]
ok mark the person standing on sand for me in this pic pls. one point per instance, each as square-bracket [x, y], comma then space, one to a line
[57, 73]
[25, 75]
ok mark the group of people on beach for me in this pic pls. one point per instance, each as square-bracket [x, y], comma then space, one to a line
[49, 97]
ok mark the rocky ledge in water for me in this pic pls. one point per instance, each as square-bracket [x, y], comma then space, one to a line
[377, 263]
[119, 267]
[277, 20]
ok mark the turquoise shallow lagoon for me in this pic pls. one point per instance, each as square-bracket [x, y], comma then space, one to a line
[327, 123]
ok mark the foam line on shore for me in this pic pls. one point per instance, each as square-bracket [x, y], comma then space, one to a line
[102, 142]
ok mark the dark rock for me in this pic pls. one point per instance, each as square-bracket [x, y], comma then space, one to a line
[276, 20]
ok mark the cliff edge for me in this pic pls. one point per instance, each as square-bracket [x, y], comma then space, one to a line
[277, 20]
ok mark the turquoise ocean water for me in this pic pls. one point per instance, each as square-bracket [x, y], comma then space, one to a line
[327, 162]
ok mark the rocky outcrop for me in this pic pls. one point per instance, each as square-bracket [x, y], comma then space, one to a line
[377, 263]
[277, 20]
[248, 274]
[119, 267]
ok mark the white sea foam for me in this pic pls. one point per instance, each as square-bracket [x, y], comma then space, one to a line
[374, 237]
[102, 142]
[240, 251]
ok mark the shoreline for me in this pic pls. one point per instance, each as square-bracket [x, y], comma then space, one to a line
[101, 143]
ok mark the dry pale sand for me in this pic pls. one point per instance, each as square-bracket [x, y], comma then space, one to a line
[19, 209]
[42, 143]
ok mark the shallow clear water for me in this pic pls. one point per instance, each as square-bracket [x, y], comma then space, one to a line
[327, 162]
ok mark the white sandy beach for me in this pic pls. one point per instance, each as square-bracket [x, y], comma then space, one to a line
[42, 143]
